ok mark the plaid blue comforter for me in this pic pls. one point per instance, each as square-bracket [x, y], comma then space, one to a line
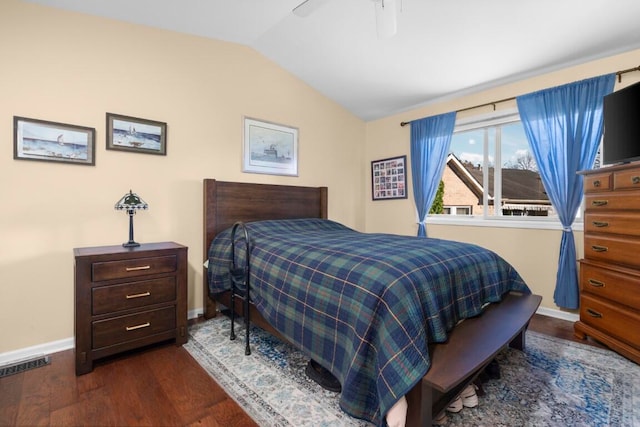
[365, 306]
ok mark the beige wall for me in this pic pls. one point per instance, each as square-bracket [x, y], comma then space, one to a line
[71, 68]
[533, 252]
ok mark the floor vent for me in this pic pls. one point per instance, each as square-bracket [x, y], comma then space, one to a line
[23, 365]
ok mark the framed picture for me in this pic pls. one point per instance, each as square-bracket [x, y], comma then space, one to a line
[136, 135]
[269, 148]
[389, 178]
[53, 142]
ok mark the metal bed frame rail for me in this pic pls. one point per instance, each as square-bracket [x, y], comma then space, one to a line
[240, 285]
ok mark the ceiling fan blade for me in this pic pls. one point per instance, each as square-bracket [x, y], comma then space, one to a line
[386, 18]
[307, 7]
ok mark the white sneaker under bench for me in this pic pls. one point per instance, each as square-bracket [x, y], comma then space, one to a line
[467, 399]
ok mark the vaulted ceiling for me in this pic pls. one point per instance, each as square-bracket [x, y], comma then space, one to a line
[442, 48]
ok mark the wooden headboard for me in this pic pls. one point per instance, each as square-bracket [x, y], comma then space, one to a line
[226, 203]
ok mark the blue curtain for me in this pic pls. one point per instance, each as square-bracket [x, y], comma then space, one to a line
[430, 141]
[564, 126]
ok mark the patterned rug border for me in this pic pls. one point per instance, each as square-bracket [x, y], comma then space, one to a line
[286, 397]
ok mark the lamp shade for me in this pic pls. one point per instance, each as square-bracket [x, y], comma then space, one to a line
[131, 202]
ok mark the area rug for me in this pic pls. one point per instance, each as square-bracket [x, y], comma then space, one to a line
[554, 383]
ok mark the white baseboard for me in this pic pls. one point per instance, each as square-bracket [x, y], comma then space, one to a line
[54, 346]
[68, 343]
[36, 350]
[558, 314]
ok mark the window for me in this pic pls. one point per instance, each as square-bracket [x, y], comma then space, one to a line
[491, 171]
[457, 210]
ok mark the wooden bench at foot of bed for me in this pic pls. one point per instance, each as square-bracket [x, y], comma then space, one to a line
[471, 346]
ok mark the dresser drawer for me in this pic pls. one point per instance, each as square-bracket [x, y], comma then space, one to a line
[627, 223]
[615, 320]
[597, 182]
[133, 267]
[618, 250]
[110, 299]
[621, 200]
[135, 326]
[627, 179]
[618, 286]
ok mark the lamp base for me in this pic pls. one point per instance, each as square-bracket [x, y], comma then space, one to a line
[131, 244]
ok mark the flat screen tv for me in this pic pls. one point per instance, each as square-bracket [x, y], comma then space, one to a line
[621, 140]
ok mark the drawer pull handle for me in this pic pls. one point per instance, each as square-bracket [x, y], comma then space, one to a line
[599, 202]
[635, 180]
[597, 248]
[600, 223]
[596, 283]
[594, 313]
[144, 267]
[133, 328]
[144, 294]
[596, 183]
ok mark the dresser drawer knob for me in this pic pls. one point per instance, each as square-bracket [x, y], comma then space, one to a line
[597, 248]
[143, 267]
[596, 283]
[596, 183]
[133, 328]
[600, 223]
[144, 294]
[635, 180]
[594, 313]
[599, 202]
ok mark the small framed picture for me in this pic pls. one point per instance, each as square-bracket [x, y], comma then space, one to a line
[269, 148]
[389, 178]
[35, 139]
[136, 135]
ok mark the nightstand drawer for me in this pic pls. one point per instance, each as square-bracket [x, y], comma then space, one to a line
[127, 298]
[611, 318]
[110, 299]
[135, 326]
[133, 267]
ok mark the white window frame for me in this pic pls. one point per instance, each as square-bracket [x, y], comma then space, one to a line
[483, 121]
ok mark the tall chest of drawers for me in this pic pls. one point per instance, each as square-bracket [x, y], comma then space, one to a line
[610, 270]
[126, 298]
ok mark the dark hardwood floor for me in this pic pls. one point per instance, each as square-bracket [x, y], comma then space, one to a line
[158, 386]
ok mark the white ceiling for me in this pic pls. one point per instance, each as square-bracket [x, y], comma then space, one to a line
[443, 48]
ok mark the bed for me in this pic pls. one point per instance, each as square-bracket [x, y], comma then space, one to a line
[351, 312]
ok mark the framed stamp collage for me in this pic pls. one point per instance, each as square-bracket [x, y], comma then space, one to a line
[389, 178]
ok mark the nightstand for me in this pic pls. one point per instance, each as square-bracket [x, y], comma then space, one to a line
[127, 298]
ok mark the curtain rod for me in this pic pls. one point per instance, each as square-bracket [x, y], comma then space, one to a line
[618, 73]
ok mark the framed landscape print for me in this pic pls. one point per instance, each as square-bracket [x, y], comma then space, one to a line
[389, 178]
[269, 148]
[136, 135]
[42, 140]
